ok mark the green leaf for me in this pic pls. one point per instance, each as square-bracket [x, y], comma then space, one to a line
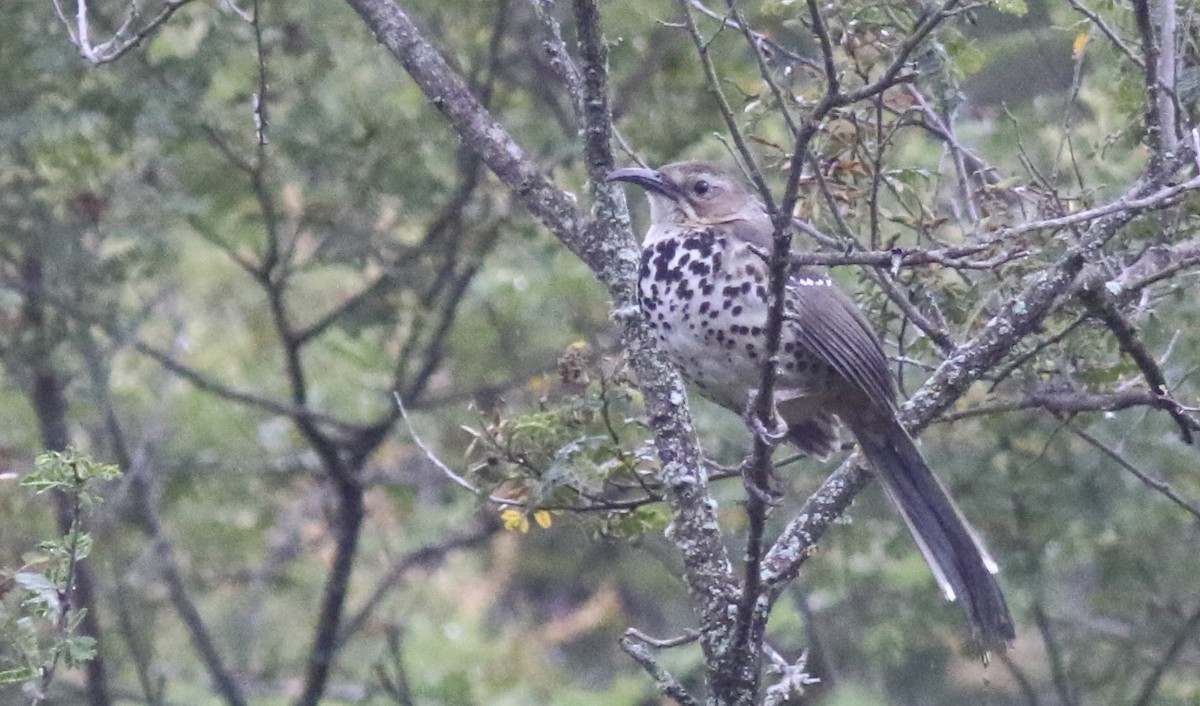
[79, 649]
[43, 594]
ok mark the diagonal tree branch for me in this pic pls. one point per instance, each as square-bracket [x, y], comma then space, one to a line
[250, 399]
[480, 131]
[1103, 306]
[1186, 632]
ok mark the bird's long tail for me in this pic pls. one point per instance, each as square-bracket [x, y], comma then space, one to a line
[963, 568]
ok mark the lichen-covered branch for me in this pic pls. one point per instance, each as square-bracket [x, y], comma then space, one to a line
[668, 684]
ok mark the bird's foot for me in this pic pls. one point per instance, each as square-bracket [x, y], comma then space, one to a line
[778, 430]
[759, 481]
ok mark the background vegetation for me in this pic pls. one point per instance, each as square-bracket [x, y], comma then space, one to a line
[227, 238]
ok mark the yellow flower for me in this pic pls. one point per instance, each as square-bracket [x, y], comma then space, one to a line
[515, 520]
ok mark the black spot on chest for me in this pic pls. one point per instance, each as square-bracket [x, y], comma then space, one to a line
[703, 243]
[673, 259]
[658, 262]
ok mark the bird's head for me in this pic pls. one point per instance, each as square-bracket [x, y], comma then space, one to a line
[691, 193]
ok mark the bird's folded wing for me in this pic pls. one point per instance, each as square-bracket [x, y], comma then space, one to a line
[829, 325]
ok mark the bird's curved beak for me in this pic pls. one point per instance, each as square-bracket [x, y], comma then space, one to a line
[648, 179]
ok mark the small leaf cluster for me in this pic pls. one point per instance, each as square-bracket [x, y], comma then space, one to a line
[583, 447]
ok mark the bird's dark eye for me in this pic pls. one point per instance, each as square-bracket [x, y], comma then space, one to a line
[700, 187]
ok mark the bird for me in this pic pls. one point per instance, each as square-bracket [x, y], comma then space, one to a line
[703, 284]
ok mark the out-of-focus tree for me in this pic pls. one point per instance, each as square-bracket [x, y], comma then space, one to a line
[228, 245]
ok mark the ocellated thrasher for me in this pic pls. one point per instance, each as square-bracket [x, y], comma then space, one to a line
[703, 289]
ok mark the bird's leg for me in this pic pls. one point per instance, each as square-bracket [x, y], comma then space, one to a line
[762, 488]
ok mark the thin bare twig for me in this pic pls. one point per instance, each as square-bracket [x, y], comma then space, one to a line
[736, 664]
[756, 48]
[260, 95]
[211, 385]
[687, 637]
[758, 37]
[429, 453]
[138, 485]
[119, 44]
[1150, 482]
[1027, 689]
[713, 81]
[1062, 401]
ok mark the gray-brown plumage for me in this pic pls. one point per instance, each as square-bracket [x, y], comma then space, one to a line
[703, 287]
